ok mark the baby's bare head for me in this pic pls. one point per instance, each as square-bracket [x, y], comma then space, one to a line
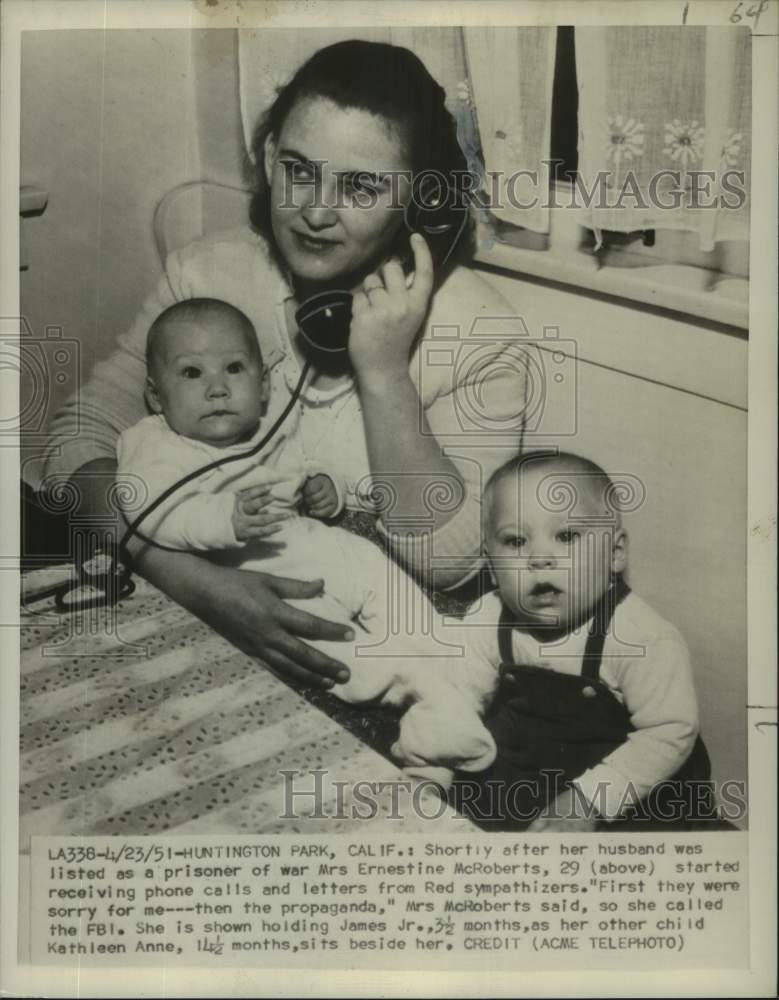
[562, 480]
[219, 320]
[553, 537]
[205, 373]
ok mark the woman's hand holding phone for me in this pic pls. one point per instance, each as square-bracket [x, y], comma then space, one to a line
[387, 313]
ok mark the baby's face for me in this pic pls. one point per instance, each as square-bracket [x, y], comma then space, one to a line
[552, 565]
[209, 382]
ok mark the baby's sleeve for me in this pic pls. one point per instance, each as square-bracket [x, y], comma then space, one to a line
[190, 519]
[475, 672]
[658, 692]
[198, 522]
[443, 725]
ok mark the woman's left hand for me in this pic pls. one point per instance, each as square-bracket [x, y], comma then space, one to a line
[387, 315]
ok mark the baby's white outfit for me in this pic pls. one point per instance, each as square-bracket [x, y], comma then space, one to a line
[400, 655]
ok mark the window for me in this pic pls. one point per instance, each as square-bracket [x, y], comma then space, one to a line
[651, 263]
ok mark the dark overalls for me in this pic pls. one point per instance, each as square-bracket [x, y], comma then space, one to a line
[550, 728]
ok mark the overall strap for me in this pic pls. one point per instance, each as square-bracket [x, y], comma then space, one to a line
[596, 637]
[505, 628]
[604, 610]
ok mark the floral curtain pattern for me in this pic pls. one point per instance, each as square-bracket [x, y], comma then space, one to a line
[511, 74]
[659, 105]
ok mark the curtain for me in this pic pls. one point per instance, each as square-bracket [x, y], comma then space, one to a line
[655, 99]
[511, 75]
[503, 120]
[268, 58]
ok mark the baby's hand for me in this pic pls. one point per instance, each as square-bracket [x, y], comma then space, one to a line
[320, 496]
[568, 813]
[251, 518]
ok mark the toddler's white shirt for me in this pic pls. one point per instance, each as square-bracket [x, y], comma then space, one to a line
[645, 664]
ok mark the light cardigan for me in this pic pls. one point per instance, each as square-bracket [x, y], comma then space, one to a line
[469, 368]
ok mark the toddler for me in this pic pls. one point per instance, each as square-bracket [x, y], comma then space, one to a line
[589, 692]
[208, 390]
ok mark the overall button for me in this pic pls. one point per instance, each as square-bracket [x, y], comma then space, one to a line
[589, 692]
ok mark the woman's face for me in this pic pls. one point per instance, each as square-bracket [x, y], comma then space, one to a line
[339, 178]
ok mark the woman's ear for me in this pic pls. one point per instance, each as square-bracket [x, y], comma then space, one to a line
[152, 396]
[619, 552]
[269, 157]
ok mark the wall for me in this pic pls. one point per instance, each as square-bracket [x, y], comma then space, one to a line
[108, 126]
[111, 121]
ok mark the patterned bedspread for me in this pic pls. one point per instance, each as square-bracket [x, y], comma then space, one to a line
[142, 720]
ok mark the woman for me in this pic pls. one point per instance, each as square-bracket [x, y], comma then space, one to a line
[336, 157]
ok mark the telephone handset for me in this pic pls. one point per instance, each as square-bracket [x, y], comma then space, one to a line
[439, 213]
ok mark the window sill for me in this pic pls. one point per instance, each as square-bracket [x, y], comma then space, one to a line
[671, 275]
[695, 291]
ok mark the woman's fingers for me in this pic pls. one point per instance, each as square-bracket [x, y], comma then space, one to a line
[259, 508]
[308, 626]
[261, 518]
[281, 665]
[360, 303]
[309, 658]
[251, 492]
[422, 285]
[282, 626]
[254, 499]
[261, 530]
[394, 277]
[374, 290]
[285, 587]
[372, 282]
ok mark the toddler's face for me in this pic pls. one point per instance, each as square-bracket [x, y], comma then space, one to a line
[209, 382]
[552, 565]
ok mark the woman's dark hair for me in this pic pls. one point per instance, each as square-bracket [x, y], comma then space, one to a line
[385, 80]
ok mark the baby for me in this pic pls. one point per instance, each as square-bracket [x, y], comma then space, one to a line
[589, 692]
[208, 390]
